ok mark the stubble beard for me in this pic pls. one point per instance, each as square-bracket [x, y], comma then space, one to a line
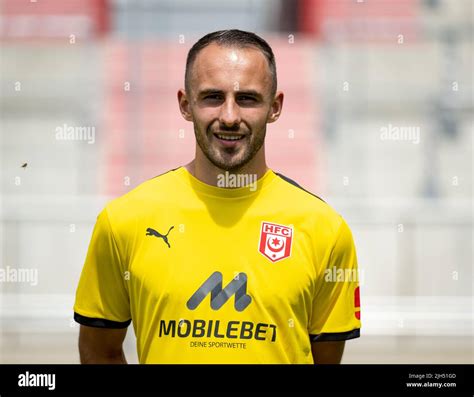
[224, 158]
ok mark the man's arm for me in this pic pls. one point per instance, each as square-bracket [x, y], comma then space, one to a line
[101, 345]
[327, 352]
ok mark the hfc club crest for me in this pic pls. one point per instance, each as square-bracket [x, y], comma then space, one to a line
[275, 241]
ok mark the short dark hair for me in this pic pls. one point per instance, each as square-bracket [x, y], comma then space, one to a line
[231, 38]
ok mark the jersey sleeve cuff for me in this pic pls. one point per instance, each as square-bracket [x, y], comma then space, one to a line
[335, 336]
[100, 322]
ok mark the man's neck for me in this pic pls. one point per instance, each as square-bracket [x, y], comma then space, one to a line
[210, 174]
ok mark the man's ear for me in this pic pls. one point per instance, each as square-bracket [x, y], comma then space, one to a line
[184, 105]
[276, 108]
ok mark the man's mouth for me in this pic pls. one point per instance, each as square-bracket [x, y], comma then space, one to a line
[229, 137]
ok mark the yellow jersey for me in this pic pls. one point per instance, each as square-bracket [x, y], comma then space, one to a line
[221, 275]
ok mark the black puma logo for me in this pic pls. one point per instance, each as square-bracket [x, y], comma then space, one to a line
[153, 232]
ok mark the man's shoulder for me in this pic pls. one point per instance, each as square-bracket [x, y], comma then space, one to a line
[303, 197]
[148, 195]
[305, 203]
[299, 187]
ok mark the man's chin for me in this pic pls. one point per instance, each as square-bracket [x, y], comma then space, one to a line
[229, 164]
[232, 168]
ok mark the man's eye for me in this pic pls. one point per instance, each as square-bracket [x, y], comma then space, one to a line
[246, 98]
[214, 96]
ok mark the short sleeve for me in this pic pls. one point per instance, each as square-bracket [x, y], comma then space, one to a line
[335, 312]
[102, 298]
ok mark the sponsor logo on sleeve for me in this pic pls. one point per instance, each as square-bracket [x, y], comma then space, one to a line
[357, 303]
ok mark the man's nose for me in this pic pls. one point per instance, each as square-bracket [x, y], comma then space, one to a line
[230, 114]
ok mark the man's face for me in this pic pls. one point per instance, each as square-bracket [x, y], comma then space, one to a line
[230, 104]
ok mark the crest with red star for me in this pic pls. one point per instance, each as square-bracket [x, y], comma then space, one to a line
[275, 241]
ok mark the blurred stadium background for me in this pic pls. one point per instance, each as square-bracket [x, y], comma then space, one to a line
[355, 72]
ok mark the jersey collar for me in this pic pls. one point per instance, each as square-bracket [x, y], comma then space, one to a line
[226, 192]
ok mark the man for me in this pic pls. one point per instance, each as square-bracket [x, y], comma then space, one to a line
[221, 260]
